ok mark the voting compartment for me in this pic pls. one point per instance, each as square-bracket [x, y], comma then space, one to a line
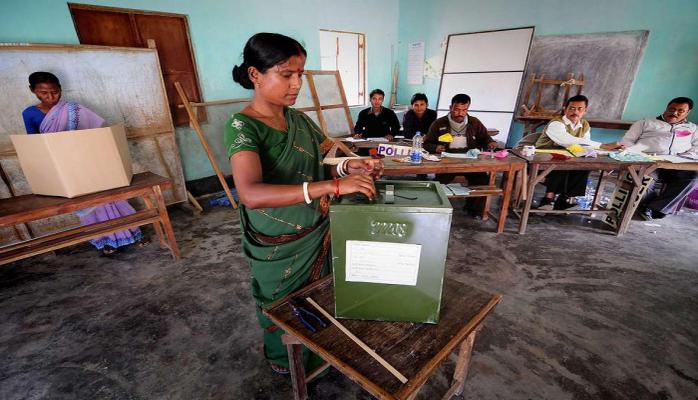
[388, 254]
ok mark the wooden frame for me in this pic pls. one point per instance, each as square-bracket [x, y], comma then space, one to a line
[130, 12]
[537, 110]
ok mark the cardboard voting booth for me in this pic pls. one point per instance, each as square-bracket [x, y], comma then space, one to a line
[389, 254]
[74, 163]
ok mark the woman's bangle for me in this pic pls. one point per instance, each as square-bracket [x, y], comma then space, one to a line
[306, 195]
[340, 168]
[336, 188]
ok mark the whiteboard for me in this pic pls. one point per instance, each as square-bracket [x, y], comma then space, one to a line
[488, 91]
[488, 51]
[487, 66]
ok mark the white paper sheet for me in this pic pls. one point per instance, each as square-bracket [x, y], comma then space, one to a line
[382, 262]
[415, 63]
[676, 159]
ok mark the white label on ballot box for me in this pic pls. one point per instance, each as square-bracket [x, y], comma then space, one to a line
[383, 262]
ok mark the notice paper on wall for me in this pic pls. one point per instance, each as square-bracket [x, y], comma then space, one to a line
[415, 63]
[383, 262]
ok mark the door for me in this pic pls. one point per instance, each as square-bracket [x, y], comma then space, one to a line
[107, 26]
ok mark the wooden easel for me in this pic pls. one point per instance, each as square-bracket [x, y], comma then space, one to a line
[202, 138]
[537, 110]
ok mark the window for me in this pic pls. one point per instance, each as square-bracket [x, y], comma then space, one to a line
[346, 52]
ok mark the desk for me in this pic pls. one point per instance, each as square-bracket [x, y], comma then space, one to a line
[533, 123]
[415, 350]
[509, 166]
[20, 209]
[542, 164]
[690, 166]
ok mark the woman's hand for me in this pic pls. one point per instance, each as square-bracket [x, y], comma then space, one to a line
[357, 183]
[368, 166]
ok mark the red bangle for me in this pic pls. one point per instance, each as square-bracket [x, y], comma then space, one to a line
[336, 187]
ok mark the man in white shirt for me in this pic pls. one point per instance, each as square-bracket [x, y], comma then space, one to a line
[562, 132]
[669, 134]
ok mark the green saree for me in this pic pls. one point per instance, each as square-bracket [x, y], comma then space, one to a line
[287, 247]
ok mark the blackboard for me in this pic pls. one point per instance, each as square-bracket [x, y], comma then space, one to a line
[609, 62]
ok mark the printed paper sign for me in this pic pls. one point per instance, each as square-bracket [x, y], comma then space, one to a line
[383, 262]
[394, 150]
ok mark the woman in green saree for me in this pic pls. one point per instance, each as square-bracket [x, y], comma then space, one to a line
[276, 156]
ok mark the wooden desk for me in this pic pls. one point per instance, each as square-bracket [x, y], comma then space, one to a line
[542, 164]
[20, 209]
[415, 350]
[533, 123]
[691, 166]
[509, 166]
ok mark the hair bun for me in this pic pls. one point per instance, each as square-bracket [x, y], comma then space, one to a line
[241, 76]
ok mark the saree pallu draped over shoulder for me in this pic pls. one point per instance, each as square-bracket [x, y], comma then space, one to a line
[287, 247]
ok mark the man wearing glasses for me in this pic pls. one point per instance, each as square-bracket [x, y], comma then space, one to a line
[669, 134]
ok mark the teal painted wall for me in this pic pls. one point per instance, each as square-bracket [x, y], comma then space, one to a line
[669, 66]
[219, 30]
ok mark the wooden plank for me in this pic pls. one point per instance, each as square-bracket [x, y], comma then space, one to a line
[31, 207]
[75, 236]
[202, 139]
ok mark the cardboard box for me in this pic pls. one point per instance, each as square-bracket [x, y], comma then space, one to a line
[389, 255]
[74, 163]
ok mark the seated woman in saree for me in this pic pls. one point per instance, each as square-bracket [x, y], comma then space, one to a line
[55, 115]
[276, 154]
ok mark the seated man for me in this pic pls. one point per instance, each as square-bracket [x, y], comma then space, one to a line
[419, 118]
[377, 121]
[467, 133]
[562, 132]
[670, 133]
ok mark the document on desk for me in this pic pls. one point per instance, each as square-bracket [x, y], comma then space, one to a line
[378, 139]
[354, 140]
[382, 262]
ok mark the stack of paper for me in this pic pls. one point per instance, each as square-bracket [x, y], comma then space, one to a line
[456, 189]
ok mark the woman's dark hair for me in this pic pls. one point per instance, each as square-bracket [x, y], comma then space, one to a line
[263, 51]
[38, 77]
[419, 96]
[376, 91]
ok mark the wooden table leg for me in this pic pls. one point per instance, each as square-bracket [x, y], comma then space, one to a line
[158, 228]
[295, 364]
[637, 173]
[167, 225]
[462, 365]
[507, 184]
[599, 188]
[488, 199]
[527, 204]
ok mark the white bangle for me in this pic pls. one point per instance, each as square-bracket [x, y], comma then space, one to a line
[340, 168]
[306, 195]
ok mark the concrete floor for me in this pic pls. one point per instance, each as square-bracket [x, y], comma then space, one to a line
[585, 315]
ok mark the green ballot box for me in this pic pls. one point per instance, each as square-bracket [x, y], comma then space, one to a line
[388, 254]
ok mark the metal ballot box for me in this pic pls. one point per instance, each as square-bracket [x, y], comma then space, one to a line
[388, 255]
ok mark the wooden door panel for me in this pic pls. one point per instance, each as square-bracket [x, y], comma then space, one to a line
[104, 28]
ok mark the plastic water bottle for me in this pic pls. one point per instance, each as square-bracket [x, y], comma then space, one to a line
[586, 200]
[416, 153]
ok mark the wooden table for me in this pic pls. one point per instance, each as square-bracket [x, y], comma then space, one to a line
[689, 166]
[532, 123]
[509, 166]
[21, 209]
[415, 350]
[543, 164]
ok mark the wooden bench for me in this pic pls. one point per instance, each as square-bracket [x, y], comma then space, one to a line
[415, 350]
[22, 209]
